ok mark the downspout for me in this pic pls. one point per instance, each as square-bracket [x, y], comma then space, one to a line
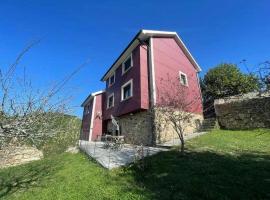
[152, 85]
[92, 119]
[152, 73]
[152, 90]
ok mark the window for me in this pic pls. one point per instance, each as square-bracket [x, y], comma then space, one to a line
[127, 90]
[183, 79]
[127, 64]
[87, 110]
[110, 101]
[112, 80]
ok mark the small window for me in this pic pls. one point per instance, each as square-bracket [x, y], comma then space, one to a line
[110, 101]
[86, 110]
[127, 64]
[112, 80]
[127, 90]
[183, 79]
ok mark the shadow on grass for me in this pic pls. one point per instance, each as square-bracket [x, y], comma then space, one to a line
[26, 176]
[205, 175]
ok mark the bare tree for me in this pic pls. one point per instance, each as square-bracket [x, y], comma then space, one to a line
[29, 115]
[176, 105]
[264, 75]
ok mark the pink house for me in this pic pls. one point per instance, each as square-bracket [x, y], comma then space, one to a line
[133, 85]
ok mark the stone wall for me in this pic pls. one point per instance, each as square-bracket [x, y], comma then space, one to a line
[136, 128]
[166, 131]
[247, 111]
[14, 155]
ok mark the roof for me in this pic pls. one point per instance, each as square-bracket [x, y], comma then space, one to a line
[143, 35]
[86, 101]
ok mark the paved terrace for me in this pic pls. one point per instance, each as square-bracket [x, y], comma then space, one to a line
[110, 159]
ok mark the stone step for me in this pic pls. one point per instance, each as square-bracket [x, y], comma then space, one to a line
[207, 127]
[208, 124]
[209, 121]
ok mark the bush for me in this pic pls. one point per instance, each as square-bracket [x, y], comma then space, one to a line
[61, 141]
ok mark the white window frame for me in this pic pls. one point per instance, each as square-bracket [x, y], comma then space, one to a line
[87, 109]
[109, 82]
[123, 64]
[131, 90]
[111, 95]
[180, 78]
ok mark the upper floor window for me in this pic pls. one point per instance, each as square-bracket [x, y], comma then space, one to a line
[127, 90]
[127, 64]
[87, 110]
[112, 79]
[110, 101]
[183, 79]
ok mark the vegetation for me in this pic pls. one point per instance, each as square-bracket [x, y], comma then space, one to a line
[218, 165]
[176, 107]
[29, 114]
[264, 74]
[227, 80]
[69, 136]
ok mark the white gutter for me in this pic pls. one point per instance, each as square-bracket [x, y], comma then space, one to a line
[92, 119]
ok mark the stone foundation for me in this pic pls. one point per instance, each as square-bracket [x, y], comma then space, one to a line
[166, 131]
[136, 128]
[14, 155]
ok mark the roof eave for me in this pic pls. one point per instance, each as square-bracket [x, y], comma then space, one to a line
[144, 34]
[86, 101]
[132, 41]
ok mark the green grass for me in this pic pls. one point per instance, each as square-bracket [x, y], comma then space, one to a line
[219, 165]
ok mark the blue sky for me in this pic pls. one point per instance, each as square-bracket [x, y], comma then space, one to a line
[74, 31]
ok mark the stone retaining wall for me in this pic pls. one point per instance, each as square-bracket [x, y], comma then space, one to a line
[248, 111]
[14, 155]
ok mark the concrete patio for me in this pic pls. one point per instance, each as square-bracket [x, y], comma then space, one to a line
[109, 158]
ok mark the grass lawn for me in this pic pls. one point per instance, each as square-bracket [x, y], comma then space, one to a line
[219, 165]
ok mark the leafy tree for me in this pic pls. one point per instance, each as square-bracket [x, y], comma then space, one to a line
[227, 80]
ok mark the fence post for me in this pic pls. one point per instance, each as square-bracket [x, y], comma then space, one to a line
[109, 158]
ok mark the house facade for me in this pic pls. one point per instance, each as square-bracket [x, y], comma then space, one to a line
[134, 84]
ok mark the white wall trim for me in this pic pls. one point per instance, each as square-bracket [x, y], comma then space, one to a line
[152, 74]
[92, 119]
